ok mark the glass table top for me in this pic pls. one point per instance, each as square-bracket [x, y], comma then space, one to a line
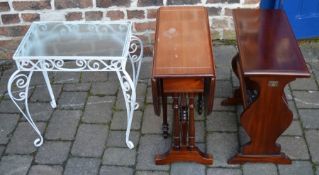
[67, 39]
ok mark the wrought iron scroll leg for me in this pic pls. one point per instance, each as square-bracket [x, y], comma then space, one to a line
[23, 82]
[47, 81]
[129, 93]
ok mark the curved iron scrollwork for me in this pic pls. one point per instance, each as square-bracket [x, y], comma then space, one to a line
[80, 64]
[22, 81]
[135, 55]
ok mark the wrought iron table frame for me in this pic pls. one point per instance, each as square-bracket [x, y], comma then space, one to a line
[26, 65]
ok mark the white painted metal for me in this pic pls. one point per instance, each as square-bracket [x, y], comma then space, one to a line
[40, 50]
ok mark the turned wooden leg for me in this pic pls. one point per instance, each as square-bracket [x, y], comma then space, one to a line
[156, 93]
[165, 123]
[191, 125]
[184, 119]
[183, 149]
[200, 104]
[176, 132]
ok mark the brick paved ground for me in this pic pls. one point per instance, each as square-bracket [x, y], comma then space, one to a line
[85, 134]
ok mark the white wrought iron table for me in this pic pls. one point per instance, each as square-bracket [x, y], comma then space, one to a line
[85, 46]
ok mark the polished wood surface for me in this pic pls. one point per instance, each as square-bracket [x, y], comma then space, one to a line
[182, 43]
[263, 72]
[183, 67]
[267, 44]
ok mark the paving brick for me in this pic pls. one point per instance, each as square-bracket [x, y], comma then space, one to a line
[98, 109]
[304, 84]
[149, 98]
[310, 51]
[199, 131]
[306, 99]
[222, 146]
[67, 77]
[223, 89]
[53, 152]
[312, 137]
[41, 93]
[243, 137]
[2, 148]
[295, 147]
[315, 67]
[288, 93]
[141, 91]
[112, 76]
[3, 89]
[294, 129]
[8, 123]
[146, 69]
[77, 87]
[7, 106]
[153, 123]
[15, 91]
[309, 118]
[296, 168]
[8, 72]
[223, 73]
[90, 140]
[82, 166]
[108, 170]
[45, 170]
[23, 138]
[260, 169]
[151, 145]
[187, 169]
[15, 164]
[151, 173]
[94, 76]
[37, 79]
[40, 111]
[119, 120]
[223, 55]
[223, 171]
[218, 107]
[105, 88]
[63, 125]
[222, 121]
[293, 109]
[119, 156]
[117, 138]
[72, 100]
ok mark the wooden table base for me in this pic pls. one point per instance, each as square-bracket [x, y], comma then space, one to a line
[265, 117]
[281, 158]
[183, 155]
[183, 149]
